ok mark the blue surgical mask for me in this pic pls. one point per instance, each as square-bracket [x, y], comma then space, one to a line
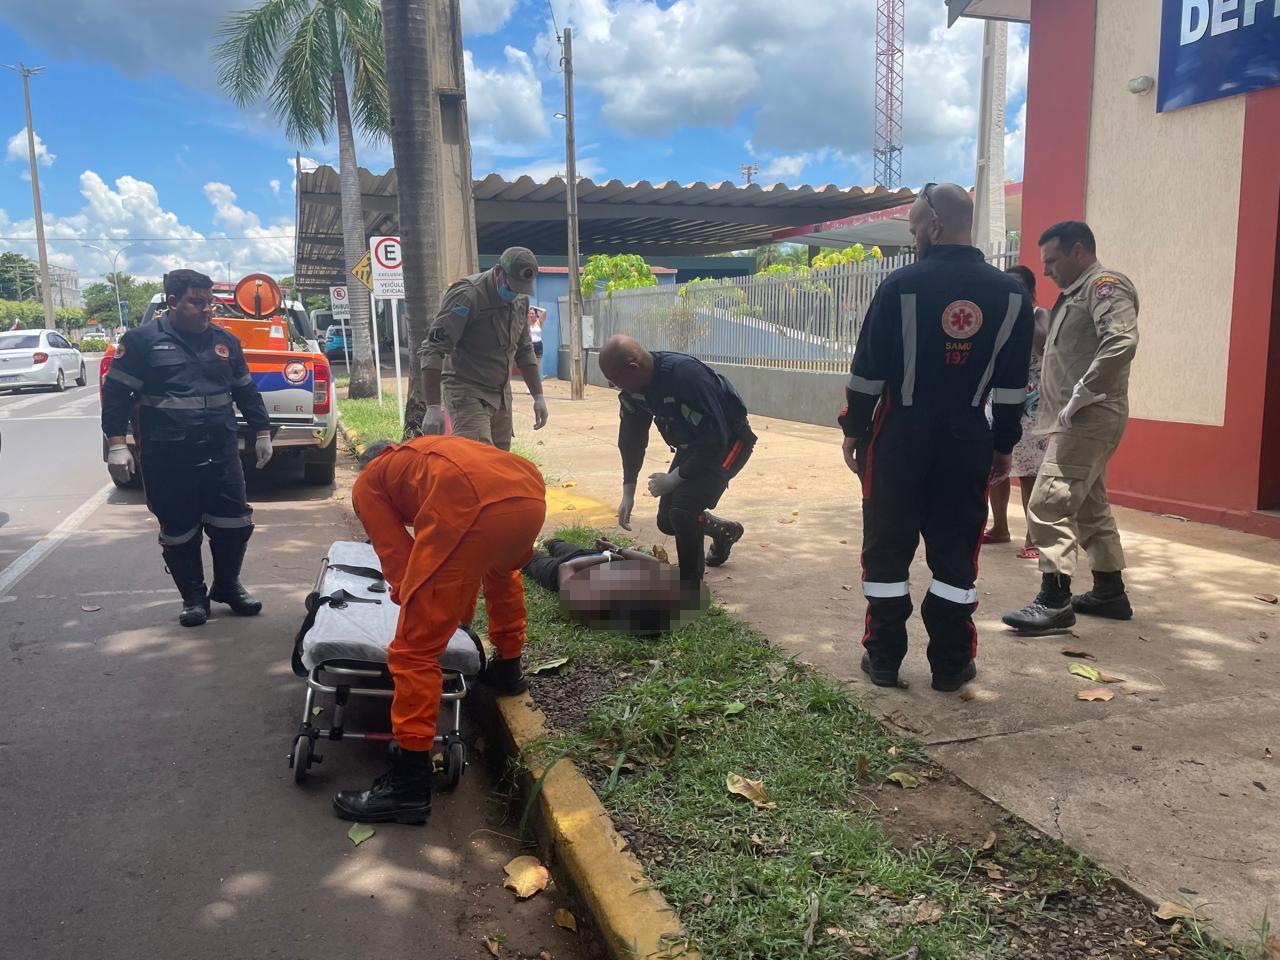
[506, 293]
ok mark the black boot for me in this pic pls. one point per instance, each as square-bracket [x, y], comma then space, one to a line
[1106, 599]
[1050, 610]
[724, 534]
[952, 683]
[504, 676]
[186, 566]
[880, 676]
[401, 795]
[228, 548]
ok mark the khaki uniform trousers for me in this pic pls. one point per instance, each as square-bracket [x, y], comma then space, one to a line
[478, 419]
[1069, 507]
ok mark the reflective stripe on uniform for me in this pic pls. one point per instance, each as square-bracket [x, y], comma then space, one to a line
[908, 348]
[884, 590]
[243, 381]
[1002, 337]
[1011, 395]
[177, 539]
[227, 522]
[130, 381]
[186, 403]
[862, 385]
[954, 594]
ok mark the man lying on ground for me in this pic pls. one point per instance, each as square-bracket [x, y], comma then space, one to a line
[610, 587]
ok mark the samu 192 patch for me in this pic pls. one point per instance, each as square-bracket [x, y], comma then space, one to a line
[222, 350]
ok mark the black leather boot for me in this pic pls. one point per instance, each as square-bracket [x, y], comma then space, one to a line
[228, 548]
[881, 676]
[186, 566]
[504, 676]
[724, 534]
[1050, 610]
[401, 795]
[950, 683]
[1106, 599]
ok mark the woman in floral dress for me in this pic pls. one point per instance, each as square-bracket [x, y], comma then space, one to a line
[1029, 453]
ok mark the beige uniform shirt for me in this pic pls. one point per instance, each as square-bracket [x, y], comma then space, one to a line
[1093, 336]
[476, 336]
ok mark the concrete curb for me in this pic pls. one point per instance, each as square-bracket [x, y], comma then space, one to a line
[634, 919]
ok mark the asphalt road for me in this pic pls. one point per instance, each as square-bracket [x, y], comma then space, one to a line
[149, 808]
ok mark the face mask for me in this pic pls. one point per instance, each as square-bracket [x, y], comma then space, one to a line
[506, 293]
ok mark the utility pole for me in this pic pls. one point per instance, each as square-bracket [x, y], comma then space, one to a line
[46, 281]
[121, 319]
[576, 389]
[749, 171]
[988, 189]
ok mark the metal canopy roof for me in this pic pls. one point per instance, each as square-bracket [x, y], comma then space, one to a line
[663, 220]
[1018, 11]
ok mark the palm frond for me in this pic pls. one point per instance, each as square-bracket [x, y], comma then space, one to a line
[247, 54]
[364, 56]
[302, 90]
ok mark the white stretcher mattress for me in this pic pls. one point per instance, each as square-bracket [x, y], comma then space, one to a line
[363, 631]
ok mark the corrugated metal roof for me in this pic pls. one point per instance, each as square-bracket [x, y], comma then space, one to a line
[652, 220]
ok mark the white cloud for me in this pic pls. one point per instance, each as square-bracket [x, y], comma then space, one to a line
[1015, 143]
[545, 169]
[801, 77]
[17, 150]
[785, 169]
[504, 106]
[486, 16]
[131, 208]
[275, 186]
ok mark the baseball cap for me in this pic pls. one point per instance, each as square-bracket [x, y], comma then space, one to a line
[521, 268]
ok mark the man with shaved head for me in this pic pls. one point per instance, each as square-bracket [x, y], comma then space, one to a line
[702, 418]
[941, 335]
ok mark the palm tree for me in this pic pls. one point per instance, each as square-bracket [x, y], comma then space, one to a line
[407, 25]
[298, 55]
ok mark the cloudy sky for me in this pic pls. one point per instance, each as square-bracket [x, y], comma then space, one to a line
[137, 143]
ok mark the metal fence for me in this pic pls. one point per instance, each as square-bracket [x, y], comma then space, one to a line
[797, 322]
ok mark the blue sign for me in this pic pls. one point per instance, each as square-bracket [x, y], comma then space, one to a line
[1217, 48]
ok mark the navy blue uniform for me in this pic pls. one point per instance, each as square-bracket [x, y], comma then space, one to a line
[703, 419]
[185, 385]
[940, 336]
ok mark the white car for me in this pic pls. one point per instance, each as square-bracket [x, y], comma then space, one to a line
[39, 358]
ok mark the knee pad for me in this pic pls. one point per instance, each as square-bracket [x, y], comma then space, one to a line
[683, 520]
[229, 534]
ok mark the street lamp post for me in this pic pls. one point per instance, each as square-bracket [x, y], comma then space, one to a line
[115, 275]
[47, 285]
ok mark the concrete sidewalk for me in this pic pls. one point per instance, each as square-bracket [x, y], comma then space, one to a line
[1169, 785]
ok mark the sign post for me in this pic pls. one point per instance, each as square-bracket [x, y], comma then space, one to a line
[386, 262]
[395, 341]
[340, 308]
[377, 346]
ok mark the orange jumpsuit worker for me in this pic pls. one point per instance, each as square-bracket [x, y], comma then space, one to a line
[475, 511]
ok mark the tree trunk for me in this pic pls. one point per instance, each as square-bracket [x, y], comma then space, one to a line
[414, 139]
[354, 242]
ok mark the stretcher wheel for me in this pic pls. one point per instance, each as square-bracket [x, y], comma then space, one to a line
[301, 760]
[455, 759]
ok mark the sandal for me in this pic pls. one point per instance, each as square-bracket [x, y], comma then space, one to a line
[988, 538]
[1028, 553]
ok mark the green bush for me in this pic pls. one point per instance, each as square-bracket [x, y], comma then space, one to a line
[93, 345]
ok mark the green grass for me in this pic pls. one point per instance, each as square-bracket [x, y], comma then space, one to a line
[714, 699]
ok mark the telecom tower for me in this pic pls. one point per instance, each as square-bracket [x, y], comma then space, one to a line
[890, 15]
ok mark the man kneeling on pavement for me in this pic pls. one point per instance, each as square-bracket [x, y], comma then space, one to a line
[475, 512]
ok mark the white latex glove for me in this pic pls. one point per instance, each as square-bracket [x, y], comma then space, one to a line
[627, 505]
[660, 484]
[262, 448]
[1081, 397]
[120, 463]
[539, 412]
[433, 420]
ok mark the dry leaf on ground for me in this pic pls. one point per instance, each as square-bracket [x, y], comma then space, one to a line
[548, 666]
[1108, 678]
[1095, 693]
[493, 946]
[1266, 597]
[660, 553]
[1169, 910]
[905, 780]
[568, 484]
[753, 790]
[526, 876]
[795, 513]
[1079, 654]
[863, 765]
[785, 520]
[359, 833]
[89, 608]
[993, 869]
[1084, 670]
[563, 918]
[989, 843]
[928, 912]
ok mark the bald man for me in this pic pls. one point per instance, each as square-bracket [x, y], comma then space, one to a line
[702, 417]
[940, 336]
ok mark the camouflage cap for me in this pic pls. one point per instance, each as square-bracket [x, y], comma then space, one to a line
[521, 268]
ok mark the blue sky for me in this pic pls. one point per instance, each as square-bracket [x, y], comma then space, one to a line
[140, 143]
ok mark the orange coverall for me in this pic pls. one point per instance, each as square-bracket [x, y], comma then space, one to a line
[475, 512]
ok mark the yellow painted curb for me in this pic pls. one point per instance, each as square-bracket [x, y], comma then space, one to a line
[566, 508]
[634, 919]
[352, 438]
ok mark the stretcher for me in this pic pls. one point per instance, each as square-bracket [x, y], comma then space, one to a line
[341, 652]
